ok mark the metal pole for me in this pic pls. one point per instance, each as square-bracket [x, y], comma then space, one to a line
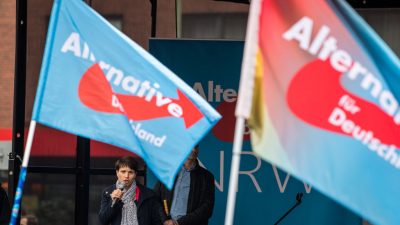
[234, 175]
[19, 98]
[153, 17]
[82, 181]
[178, 18]
[243, 104]
[82, 177]
[22, 176]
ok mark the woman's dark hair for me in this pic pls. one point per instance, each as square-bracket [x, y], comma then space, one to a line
[127, 161]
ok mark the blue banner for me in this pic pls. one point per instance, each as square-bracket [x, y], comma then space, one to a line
[265, 193]
[97, 83]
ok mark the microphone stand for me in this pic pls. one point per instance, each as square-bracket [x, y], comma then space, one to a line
[298, 202]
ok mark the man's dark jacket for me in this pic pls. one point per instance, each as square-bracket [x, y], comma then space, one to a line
[201, 197]
[148, 207]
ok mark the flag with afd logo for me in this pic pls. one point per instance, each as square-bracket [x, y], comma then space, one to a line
[97, 83]
[326, 103]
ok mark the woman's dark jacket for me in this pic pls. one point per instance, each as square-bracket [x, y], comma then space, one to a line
[148, 207]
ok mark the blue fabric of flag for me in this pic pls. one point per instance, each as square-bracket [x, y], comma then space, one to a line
[97, 83]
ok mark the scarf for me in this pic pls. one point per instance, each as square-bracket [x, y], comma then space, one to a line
[129, 210]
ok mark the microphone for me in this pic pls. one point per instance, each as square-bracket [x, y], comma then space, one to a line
[120, 185]
[299, 196]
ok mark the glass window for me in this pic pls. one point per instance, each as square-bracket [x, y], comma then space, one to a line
[116, 21]
[385, 23]
[50, 198]
[131, 17]
[205, 19]
[97, 184]
[214, 26]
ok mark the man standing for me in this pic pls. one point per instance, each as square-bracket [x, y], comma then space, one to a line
[192, 199]
[128, 202]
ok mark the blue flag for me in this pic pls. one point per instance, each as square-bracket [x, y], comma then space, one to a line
[326, 103]
[97, 83]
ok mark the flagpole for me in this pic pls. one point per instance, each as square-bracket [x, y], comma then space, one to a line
[22, 174]
[243, 105]
[233, 180]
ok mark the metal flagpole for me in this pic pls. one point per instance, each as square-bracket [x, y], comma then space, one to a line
[233, 180]
[19, 97]
[243, 105]
[153, 18]
[178, 18]
[22, 174]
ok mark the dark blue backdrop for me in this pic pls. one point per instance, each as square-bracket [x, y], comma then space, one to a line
[264, 193]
